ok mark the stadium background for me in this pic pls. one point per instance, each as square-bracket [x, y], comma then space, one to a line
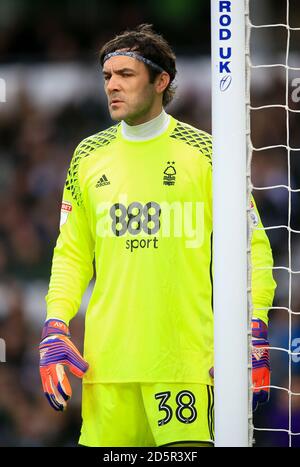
[54, 99]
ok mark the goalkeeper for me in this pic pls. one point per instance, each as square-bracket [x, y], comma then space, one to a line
[138, 204]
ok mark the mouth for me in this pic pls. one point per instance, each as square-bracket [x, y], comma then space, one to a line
[115, 102]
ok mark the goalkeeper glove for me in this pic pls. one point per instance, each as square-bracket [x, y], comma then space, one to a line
[56, 350]
[260, 363]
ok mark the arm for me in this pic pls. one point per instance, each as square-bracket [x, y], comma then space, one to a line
[262, 281]
[263, 288]
[72, 269]
[72, 265]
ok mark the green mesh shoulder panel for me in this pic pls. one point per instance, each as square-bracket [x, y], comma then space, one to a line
[197, 138]
[84, 149]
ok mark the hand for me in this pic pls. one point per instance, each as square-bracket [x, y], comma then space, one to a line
[57, 350]
[260, 363]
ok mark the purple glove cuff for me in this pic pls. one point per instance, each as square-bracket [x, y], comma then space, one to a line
[259, 329]
[55, 326]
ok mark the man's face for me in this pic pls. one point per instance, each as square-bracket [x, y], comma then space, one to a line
[131, 96]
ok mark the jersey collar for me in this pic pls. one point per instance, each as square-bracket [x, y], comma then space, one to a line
[148, 130]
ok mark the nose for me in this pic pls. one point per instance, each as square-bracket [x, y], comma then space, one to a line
[113, 84]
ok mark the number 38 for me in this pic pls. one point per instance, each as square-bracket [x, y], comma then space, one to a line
[185, 401]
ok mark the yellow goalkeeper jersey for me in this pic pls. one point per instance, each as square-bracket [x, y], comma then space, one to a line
[142, 212]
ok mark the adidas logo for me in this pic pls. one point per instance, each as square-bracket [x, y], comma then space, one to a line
[102, 181]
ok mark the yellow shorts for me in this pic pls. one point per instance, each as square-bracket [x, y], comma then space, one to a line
[146, 414]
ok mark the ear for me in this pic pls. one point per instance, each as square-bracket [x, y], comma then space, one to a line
[161, 82]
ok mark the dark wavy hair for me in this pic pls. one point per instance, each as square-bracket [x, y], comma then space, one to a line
[145, 41]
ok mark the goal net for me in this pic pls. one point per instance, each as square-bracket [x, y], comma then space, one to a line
[272, 96]
[256, 150]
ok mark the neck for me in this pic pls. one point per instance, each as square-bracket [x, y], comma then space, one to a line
[148, 130]
[152, 113]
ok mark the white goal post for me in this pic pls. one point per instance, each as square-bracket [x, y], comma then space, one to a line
[230, 241]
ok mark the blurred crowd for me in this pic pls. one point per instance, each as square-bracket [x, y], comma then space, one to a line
[51, 31]
[35, 150]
